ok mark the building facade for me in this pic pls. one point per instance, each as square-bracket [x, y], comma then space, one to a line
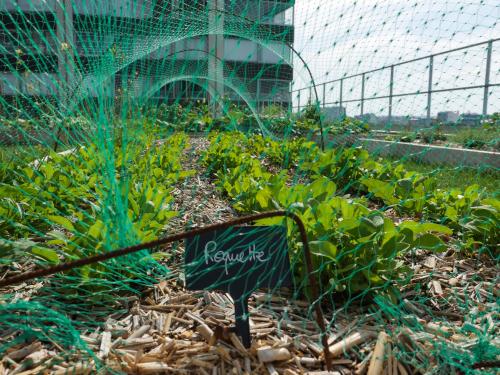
[44, 43]
[448, 117]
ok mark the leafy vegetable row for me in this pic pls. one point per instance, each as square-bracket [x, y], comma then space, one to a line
[471, 213]
[355, 248]
[90, 199]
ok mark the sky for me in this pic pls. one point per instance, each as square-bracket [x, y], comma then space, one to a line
[340, 38]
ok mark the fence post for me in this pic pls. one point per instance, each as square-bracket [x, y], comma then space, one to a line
[362, 94]
[429, 90]
[487, 78]
[341, 91]
[324, 95]
[258, 101]
[391, 89]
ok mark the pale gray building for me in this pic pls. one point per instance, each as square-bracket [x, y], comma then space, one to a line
[266, 74]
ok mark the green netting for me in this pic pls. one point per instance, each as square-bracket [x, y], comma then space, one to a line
[375, 122]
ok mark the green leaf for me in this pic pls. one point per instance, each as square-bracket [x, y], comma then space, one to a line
[451, 213]
[485, 212]
[381, 190]
[349, 225]
[430, 242]
[322, 187]
[49, 171]
[263, 196]
[370, 225]
[270, 221]
[390, 246]
[324, 248]
[158, 172]
[420, 228]
[29, 172]
[134, 205]
[432, 227]
[406, 185]
[59, 238]
[372, 277]
[47, 254]
[377, 221]
[62, 221]
[167, 214]
[96, 229]
[161, 256]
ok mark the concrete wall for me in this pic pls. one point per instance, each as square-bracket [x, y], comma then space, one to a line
[29, 84]
[27, 5]
[433, 154]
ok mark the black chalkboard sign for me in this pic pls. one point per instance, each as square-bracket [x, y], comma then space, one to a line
[239, 260]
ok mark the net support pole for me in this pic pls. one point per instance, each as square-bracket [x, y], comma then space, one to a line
[489, 50]
[65, 57]
[391, 93]
[429, 89]
[362, 109]
[341, 94]
[65, 38]
[324, 95]
[258, 95]
[216, 53]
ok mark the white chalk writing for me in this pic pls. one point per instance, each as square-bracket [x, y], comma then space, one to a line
[248, 255]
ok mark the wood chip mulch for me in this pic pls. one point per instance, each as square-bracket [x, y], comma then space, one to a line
[171, 330]
[449, 302]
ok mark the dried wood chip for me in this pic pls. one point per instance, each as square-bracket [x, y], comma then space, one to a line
[351, 341]
[308, 361]
[139, 332]
[378, 356]
[436, 285]
[401, 369]
[430, 262]
[206, 332]
[23, 352]
[271, 370]
[268, 354]
[154, 368]
[237, 344]
[79, 369]
[105, 345]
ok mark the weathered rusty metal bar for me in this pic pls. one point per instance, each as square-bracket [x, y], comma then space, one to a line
[42, 272]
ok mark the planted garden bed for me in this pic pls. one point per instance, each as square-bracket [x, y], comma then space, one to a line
[399, 261]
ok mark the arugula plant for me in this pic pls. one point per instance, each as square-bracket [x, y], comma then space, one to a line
[55, 208]
[354, 248]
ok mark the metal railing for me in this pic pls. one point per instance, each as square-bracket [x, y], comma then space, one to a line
[486, 86]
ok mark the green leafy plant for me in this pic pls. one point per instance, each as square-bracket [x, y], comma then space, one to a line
[354, 247]
[55, 207]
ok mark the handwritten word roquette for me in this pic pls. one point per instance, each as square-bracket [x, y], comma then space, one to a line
[247, 255]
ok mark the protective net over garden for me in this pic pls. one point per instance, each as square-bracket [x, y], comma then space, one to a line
[363, 137]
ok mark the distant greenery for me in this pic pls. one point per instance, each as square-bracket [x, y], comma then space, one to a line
[310, 116]
[449, 177]
[485, 137]
[277, 120]
[428, 136]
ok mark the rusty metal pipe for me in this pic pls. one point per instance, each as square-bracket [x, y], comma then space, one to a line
[42, 272]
